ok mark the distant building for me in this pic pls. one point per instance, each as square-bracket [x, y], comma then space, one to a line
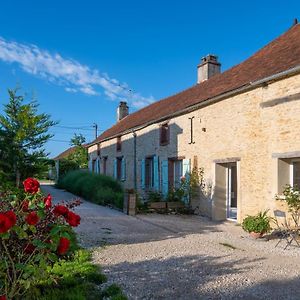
[64, 155]
[242, 126]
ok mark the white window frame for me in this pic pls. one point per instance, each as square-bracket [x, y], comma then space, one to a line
[292, 170]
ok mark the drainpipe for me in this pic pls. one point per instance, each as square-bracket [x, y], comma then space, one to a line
[134, 160]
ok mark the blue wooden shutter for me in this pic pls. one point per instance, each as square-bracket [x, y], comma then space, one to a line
[186, 171]
[115, 168]
[156, 173]
[123, 169]
[165, 177]
[143, 170]
[99, 165]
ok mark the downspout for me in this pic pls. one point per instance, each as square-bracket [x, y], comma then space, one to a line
[134, 160]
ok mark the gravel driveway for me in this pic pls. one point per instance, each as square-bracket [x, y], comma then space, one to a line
[185, 257]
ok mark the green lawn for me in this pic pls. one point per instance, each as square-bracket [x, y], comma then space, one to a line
[77, 279]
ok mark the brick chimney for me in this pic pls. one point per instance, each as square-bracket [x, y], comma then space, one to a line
[208, 67]
[122, 111]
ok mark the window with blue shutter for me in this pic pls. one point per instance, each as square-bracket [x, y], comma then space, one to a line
[186, 170]
[143, 163]
[123, 169]
[98, 165]
[156, 173]
[115, 168]
[165, 177]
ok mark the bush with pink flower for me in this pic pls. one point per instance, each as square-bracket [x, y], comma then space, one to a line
[34, 234]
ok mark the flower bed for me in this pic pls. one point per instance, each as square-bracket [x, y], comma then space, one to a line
[34, 234]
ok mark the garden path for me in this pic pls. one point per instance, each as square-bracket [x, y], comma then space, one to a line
[184, 257]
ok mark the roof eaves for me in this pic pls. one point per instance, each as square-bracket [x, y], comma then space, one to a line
[241, 89]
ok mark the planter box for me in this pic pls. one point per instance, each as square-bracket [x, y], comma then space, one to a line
[158, 205]
[175, 205]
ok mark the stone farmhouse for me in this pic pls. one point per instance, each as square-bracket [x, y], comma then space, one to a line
[242, 126]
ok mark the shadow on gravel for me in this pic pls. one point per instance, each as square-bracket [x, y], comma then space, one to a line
[268, 290]
[121, 229]
[102, 225]
[189, 277]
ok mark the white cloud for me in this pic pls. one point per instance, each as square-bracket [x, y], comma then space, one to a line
[69, 73]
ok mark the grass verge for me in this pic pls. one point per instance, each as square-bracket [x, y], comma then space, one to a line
[76, 279]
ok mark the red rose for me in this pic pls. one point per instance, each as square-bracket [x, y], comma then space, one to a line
[73, 219]
[32, 218]
[12, 217]
[25, 205]
[3, 297]
[48, 202]
[63, 246]
[31, 185]
[29, 248]
[60, 210]
[5, 223]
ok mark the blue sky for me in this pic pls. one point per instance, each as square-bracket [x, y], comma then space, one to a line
[80, 58]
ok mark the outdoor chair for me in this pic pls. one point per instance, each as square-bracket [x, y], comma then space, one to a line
[285, 230]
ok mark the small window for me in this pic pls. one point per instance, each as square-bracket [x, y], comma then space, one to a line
[288, 173]
[119, 168]
[94, 165]
[104, 162]
[175, 167]
[295, 173]
[177, 173]
[164, 134]
[149, 173]
[119, 143]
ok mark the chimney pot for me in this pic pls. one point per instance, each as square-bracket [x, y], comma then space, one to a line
[208, 67]
[122, 110]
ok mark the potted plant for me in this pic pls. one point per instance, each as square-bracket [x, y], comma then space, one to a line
[257, 225]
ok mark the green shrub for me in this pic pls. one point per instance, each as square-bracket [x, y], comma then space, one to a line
[292, 198]
[175, 195]
[113, 292]
[97, 188]
[154, 196]
[259, 223]
[65, 166]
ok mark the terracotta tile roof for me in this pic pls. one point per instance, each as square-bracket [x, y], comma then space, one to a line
[67, 152]
[280, 55]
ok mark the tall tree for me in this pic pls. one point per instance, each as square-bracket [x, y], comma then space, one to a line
[80, 155]
[23, 133]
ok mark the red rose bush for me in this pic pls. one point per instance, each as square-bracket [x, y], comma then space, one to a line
[34, 234]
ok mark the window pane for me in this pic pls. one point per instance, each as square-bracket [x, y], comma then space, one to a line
[149, 173]
[177, 173]
[296, 174]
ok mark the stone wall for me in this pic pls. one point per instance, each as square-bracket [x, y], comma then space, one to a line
[249, 127]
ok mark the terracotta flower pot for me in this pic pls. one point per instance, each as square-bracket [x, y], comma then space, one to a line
[256, 235]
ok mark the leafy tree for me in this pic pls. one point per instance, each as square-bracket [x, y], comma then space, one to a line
[77, 140]
[23, 133]
[79, 155]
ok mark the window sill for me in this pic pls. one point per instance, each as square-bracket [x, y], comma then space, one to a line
[280, 198]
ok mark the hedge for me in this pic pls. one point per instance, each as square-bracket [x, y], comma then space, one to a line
[93, 187]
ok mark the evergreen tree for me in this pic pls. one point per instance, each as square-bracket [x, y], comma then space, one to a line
[23, 133]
